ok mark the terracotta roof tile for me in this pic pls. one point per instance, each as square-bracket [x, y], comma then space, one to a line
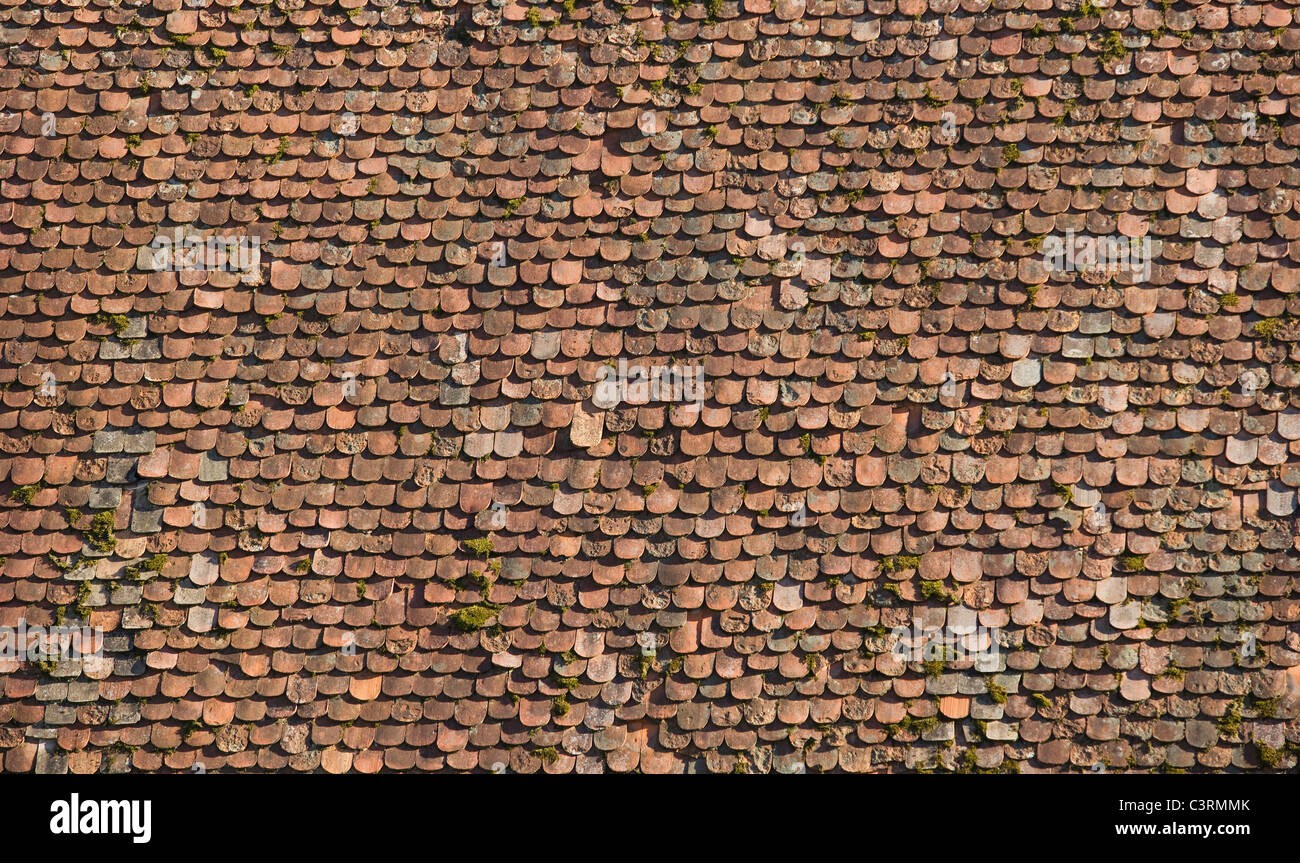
[607, 389]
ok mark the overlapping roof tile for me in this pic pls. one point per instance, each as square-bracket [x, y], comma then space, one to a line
[391, 491]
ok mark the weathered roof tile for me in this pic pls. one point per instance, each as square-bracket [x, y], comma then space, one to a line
[424, 352]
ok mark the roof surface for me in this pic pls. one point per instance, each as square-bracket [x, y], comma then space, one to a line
[380, 502]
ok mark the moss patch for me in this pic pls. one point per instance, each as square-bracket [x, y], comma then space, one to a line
[117, 323]
[101, 535]
[899, 562]
[473, 618]
[996, 692]
[24, 493]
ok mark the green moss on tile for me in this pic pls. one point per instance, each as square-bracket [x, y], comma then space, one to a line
[899, 562]
[24, 493]
[473, 618]
[101, 535]
[1229, 723]
[1267, 328]
[566, 683]
[995, 690]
